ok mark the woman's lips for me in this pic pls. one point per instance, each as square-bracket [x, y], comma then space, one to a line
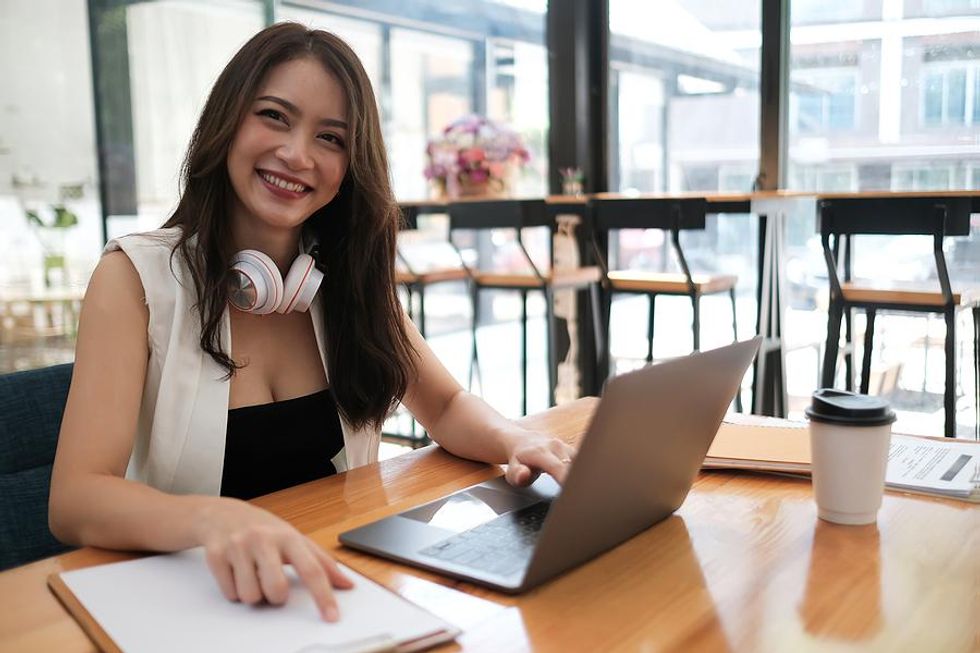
[279, 191]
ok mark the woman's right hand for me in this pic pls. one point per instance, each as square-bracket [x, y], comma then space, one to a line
[246, 548]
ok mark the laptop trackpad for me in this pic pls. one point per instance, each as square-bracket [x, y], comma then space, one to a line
[480, 503]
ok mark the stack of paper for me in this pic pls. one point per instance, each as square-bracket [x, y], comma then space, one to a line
[168, 603]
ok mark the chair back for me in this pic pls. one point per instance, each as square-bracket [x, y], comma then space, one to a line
[673, 214]
[31, 406]
[896, 216]
[498, 214]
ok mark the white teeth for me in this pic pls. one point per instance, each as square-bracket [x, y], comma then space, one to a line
[282, 183]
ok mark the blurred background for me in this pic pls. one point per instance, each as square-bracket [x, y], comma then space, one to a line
[99, 99]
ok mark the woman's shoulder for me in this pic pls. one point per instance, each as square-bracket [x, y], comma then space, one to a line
[163, 239]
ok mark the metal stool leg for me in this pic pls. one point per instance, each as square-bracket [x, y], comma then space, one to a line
[599, 335]
[949, 397]
[607, 362]
[651, 299]
[976, 366]
[474, 354]
[523, 352]
[738, 395]
[834, 315]
[549, 313]
[869, 334]
[408, 301]
[849, 350]
[422, 309]
[696, 303]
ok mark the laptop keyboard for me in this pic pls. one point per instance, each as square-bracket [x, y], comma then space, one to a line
[501, 546]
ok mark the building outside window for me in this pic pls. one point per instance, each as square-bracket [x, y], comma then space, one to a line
[950, 94]
[830, 101]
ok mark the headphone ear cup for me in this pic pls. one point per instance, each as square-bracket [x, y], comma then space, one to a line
[256, 286]
[301, 284]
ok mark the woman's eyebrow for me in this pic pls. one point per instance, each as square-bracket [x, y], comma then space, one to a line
[292, 108]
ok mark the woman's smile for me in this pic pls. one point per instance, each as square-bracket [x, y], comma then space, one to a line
[284, 186]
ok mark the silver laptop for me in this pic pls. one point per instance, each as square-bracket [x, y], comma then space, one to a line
[636, 464]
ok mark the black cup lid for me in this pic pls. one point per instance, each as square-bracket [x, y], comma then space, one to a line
[851, 408]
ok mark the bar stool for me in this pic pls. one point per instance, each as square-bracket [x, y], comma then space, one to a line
[415, 281]
[841, 219]
[517, 215]
[673, 216]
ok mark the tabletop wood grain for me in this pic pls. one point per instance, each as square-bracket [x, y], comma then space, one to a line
[744, 565]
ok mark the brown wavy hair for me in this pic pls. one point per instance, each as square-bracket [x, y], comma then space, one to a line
[370, 358]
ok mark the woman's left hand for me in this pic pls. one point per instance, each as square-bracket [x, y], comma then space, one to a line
[532, 453]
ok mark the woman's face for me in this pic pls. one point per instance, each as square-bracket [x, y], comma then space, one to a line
[289, 155]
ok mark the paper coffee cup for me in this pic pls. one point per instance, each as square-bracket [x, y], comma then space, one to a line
[849, 438]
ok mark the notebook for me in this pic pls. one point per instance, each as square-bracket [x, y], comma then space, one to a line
[167, 603]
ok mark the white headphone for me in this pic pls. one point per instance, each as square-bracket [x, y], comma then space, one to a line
[256, 286]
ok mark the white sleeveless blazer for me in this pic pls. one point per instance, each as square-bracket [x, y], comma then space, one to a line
[180, 439]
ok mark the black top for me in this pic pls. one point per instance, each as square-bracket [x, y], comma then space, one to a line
[269, 447]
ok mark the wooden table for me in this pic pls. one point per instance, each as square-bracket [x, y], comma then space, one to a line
[744, 565]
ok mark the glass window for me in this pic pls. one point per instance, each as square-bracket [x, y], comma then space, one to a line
[176, 50]
[50, 214]
[884, 97]
[684, 94]
[829, 101]
[949, 95]
[364, 37]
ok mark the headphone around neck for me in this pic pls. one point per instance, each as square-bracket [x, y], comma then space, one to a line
[255, 285]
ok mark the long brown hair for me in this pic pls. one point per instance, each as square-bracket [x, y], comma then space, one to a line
[369, 355]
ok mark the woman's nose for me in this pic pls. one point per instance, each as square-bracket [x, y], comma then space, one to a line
[295, 154]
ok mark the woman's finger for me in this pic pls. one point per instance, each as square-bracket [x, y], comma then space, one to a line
[246, 579]
[545, 461]
[272, 578]
[311, 572]
[221, 570]
[336, 577]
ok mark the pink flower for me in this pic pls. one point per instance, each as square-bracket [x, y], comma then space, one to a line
[472, 155]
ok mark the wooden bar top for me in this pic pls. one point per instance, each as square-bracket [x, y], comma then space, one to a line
[744, 565]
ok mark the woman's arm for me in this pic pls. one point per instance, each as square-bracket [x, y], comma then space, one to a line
[468, 427]
[91, 503]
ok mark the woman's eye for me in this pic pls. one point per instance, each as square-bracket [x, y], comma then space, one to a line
[272, 113]
[332, 138]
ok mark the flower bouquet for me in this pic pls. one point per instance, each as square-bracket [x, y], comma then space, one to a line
[474, 156]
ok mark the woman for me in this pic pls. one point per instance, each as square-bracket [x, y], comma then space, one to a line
[181, 405]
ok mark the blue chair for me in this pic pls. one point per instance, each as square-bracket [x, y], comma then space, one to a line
[31, 406]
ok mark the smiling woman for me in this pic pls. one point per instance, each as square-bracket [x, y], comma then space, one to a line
[200, 378]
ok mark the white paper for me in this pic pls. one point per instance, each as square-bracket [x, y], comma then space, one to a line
[168, 603]
[947, 467]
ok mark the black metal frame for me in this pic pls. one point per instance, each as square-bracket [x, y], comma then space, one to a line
[841, 219]
[671, 215]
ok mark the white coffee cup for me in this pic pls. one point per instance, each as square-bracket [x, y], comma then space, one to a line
[849, 438]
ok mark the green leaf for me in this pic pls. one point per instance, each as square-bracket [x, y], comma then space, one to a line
[34, 218]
